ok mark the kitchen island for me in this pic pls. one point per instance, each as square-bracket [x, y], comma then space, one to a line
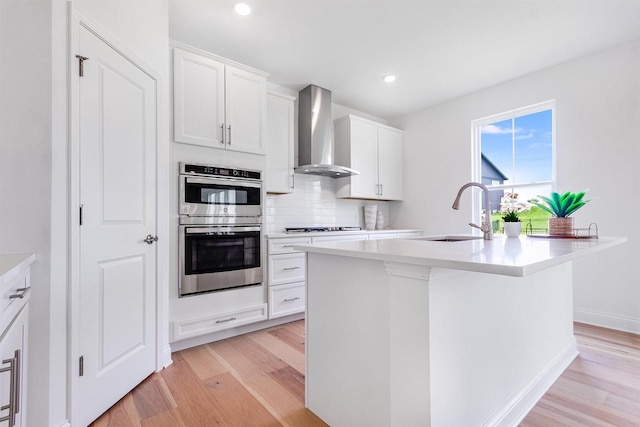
[414, 332]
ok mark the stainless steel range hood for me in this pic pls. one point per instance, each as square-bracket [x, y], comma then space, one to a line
[315, 135]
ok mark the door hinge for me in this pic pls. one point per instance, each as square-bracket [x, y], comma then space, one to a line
[81, 60]
[81, 213]
[81, 367]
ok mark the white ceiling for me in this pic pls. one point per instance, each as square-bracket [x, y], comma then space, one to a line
[439, 49]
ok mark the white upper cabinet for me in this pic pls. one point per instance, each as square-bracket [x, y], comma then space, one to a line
[390, 163]
[374, 150]
[363, 151]
[246, 110]
[279, 176]
[198, 99]
[217, 104]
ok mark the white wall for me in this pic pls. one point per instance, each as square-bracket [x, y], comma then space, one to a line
[25, 169]
[140, 27]
[597, 133]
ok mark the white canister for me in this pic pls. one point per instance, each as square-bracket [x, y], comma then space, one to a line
[380, 221]
[370, 212]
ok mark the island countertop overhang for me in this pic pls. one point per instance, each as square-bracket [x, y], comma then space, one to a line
[516, 257]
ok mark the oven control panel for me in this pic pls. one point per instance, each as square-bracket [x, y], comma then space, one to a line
[218, 171]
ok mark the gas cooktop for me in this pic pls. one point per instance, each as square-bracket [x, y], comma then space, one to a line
[319, 229]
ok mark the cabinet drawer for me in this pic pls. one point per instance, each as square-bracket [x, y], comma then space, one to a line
[286, 299]
[16, 287]
[287, 268]
[284, 246]
[206, 324]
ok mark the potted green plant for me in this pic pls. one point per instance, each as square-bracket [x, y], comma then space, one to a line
[512, 223]
[561, 206]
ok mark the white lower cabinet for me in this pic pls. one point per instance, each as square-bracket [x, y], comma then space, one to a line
[285, 246]
[195, 326]
[15, 288]
[287, 275]
[287, 268]
[13, 370]
[287, 299]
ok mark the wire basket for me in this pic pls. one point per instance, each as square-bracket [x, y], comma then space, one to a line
[590, 232]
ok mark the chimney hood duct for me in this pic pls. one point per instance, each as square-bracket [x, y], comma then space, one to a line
[315, 135]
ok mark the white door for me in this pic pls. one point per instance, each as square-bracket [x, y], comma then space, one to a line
[246, 110]
[117, 287]
[390, 163]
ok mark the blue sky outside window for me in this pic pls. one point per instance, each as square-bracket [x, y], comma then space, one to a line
[521, 147]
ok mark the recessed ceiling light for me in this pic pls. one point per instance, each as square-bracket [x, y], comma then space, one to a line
[389, 79]
[242, 9]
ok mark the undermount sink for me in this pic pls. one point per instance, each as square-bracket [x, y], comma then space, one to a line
[449, 238]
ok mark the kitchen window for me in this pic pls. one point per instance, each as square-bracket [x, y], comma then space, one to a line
[515, 158]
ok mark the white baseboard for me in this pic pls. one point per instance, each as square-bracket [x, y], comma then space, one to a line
[610, 321]
[232, 332]
[514, 411]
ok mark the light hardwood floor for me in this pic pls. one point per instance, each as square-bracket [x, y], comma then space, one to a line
[257, 380]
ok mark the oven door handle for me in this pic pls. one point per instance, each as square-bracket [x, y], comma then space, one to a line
[216, 230]
[223, 181]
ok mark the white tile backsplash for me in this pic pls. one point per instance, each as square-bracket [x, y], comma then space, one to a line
[313, 204]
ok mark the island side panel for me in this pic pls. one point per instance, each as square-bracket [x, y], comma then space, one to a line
[410, 382]
[347, 341]
[497, 343]
[367, 342]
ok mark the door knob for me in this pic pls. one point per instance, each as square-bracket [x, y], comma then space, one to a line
[150, 239]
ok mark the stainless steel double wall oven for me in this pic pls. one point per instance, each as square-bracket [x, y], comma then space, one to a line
[220, 228]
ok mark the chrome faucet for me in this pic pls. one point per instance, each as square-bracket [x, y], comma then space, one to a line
[486, 227]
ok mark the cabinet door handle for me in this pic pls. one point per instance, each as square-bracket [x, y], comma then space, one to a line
[381, 189]
[16, 406]
[20, 292]
[11, 406]
[287, 246]
[293, 180]
[291, 299]
[222, 132]
[226, 320]
[229, 140]
[291, 268]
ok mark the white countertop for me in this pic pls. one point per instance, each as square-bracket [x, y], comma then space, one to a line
[11, 263]
[338, 233]
[504, 256]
